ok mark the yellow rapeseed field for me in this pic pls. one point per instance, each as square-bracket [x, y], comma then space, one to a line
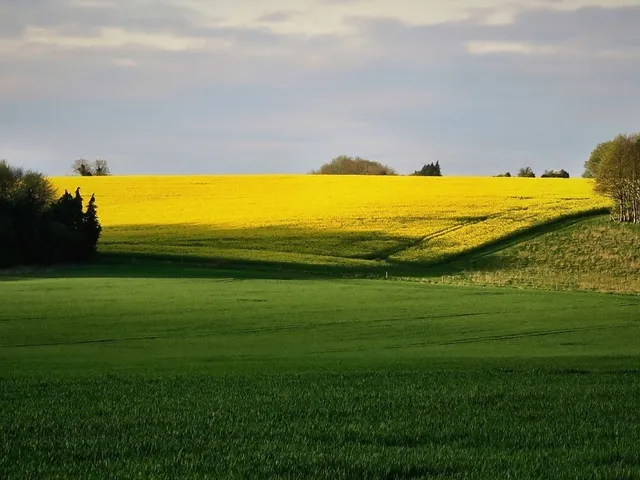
[322, 219]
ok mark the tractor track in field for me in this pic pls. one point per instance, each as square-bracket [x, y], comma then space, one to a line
[526, 234]
[513, 336]
[245, 331]
[497, 245]
[478, 339]
[387, 253]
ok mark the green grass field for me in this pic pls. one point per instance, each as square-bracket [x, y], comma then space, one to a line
[581, 254]
[151, 370]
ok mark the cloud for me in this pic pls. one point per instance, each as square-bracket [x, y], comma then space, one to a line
[276, 17]
[125, 62]
[489, 47]
[228, 87]
[113, 38]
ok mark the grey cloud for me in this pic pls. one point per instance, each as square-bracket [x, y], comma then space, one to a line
[586, 27]
[275, 17]
[337, 2]
[589, 26]
[67, 18]
[419, 51]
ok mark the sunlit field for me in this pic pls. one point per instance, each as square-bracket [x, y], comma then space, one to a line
[323, 219]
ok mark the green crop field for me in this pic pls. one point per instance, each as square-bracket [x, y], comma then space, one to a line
[152, 370]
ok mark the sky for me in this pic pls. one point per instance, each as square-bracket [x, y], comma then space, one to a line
[248, 86]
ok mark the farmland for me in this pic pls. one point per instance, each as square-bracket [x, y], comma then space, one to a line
[326, 220]
[197, 373]
[275, 358]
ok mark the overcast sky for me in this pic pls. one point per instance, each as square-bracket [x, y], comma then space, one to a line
[253, 86]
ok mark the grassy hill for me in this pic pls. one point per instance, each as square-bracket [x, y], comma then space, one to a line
[580, 254]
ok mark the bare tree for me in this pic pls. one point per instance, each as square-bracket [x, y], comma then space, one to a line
[85, 168]
[82, 167]
[100, 168]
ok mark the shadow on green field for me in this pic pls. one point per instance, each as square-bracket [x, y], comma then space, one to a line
[150, 264]
[289, 243]
[118, 265]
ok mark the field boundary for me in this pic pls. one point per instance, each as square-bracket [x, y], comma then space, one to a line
[385, 254]
[515, 237]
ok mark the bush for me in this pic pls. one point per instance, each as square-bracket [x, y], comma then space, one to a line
[506, 174]
[555, 174]
[526, 172]
[344, 165]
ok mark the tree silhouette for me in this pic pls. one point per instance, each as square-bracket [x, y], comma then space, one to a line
[91, 227]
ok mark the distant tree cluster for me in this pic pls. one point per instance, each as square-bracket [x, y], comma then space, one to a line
[526, 172]
[37, 228]
[555, 174]
[429, 170]
[85, 168]
[344, 165]
[616, 168]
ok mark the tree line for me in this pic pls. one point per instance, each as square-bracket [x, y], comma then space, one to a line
[615, 166]
[527, 172]
[37, 227]
[345, 165]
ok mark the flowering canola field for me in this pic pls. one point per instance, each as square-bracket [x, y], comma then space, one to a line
[351, 220]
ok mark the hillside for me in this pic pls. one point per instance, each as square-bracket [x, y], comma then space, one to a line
[351, 221]
[589, 254]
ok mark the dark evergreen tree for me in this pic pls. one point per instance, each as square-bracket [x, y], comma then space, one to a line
[429, 170]
[91, 227]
